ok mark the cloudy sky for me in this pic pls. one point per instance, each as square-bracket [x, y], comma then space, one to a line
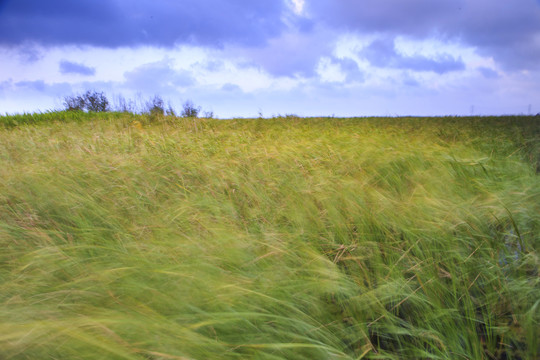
[270, 57]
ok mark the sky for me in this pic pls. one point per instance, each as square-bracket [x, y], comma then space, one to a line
[251, 58]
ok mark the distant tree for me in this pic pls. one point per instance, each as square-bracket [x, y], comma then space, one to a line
[189, 110]
[96, 102]
[155, 106]
[91, 101]
[74, 103]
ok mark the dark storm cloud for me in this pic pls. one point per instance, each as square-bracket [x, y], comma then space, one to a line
[382, 53]
[394, 16]
[113, 23]
[68, 67]
[507, 30]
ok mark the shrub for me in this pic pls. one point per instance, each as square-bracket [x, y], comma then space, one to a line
[96, 102]
[189, 109]
[155, 106]
[74, 103]
[91, 101]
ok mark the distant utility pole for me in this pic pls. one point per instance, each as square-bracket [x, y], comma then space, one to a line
[472, 110]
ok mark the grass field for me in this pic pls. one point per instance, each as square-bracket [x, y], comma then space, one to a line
[135, 237]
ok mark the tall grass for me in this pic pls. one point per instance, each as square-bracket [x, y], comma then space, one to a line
[128, 237]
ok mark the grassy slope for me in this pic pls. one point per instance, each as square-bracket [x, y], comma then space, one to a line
[139, 238]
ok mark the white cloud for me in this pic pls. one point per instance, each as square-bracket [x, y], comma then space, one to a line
[329, 71]
[297, 6]
[233, 82]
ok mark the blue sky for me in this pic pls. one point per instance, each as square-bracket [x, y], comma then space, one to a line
[307, 57]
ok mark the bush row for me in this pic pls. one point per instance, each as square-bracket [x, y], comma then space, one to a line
[94, 101]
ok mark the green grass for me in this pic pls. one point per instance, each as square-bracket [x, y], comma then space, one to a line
[132, 237]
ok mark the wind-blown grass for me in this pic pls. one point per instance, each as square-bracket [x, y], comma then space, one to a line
[130, 237]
